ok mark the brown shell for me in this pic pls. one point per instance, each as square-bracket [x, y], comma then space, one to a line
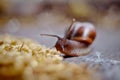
[82, 32]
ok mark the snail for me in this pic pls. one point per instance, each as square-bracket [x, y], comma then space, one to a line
[78, 37]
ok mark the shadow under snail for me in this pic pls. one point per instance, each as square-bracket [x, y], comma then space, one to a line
[79, 36]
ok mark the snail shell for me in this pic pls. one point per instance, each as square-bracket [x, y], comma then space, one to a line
[82, 32]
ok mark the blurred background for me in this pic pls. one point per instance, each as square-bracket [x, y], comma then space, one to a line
[30, 18]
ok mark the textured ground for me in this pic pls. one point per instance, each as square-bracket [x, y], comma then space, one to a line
[107, 43]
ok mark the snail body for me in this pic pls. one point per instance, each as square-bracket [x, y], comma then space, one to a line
[68, 46]
[78, 36]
